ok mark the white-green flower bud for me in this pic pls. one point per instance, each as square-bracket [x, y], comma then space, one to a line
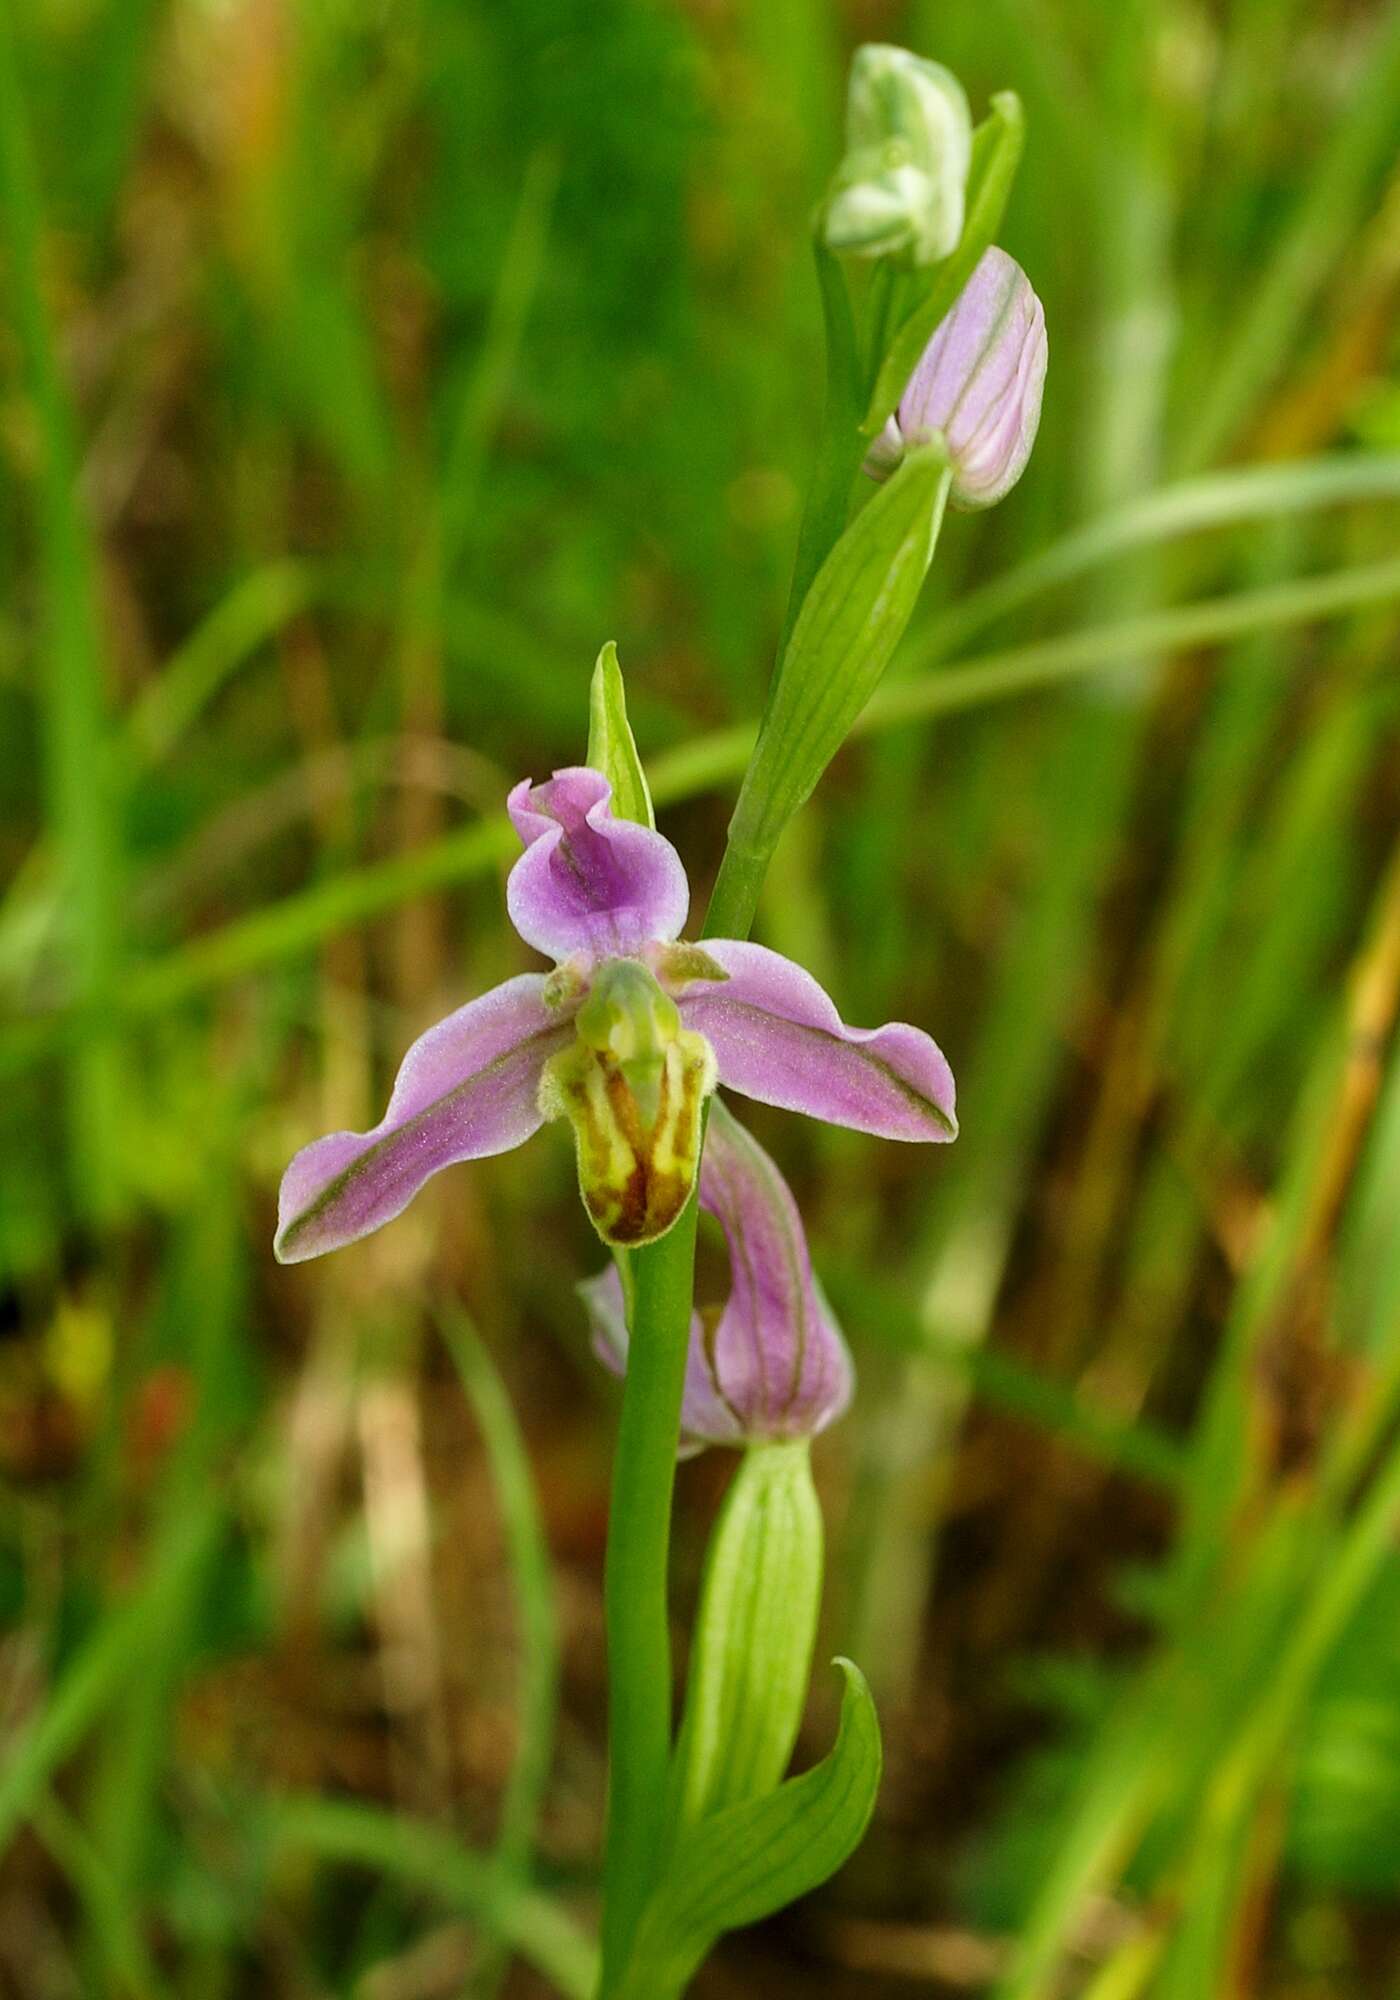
[901, 187]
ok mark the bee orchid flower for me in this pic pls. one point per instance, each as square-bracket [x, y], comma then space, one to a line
[626, 1037]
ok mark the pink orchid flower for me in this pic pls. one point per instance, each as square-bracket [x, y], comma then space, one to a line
[627, 1037]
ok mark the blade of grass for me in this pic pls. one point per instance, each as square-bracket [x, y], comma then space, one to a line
[111, 1654]
[253, 612]
[530, 1569]
[205, 1277]
[1220, 500]
[363, 1836]
[300, 921]
[517, 285]
[1357, 146]
[72, 699]
[127, 1962]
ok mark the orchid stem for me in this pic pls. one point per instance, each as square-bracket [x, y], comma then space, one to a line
[734, 900]
[662, 1282]
[639, 1537]
[840, 447]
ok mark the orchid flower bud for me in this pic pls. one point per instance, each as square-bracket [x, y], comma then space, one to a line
[901, 187]
[978, 385]
[770, 1364]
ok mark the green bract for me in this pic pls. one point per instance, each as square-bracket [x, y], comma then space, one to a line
[738, 1865]
[754, 1635]
[853, 618]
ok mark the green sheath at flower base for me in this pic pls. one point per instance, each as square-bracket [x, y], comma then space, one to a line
[633, 1085]
[757, 1625]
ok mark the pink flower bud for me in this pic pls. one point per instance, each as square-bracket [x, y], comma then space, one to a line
[979, 384]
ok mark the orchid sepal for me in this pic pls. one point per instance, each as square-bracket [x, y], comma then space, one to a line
[467, 1088]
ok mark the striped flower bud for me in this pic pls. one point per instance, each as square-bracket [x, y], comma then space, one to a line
[978, 386]
[900, 188]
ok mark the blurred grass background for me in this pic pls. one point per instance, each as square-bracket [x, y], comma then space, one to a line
[362, 368]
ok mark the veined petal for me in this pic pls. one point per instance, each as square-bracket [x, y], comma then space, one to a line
[466, 1088]
[979, 383]
[588, 882]
[778, 1037]
[776, 1355]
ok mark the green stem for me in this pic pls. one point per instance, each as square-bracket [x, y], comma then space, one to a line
[661, 1287]
[639, 1536]
[841, 446]
[735, 897]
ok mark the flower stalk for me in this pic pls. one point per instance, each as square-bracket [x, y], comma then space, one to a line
[634, 1581]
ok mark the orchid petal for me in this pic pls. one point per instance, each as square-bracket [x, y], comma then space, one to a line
[589, 882]
[777, 1355]
[466, 1088]
[979, 383]
[778, 1037]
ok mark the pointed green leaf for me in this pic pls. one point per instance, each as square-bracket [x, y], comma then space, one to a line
[853, 618]
[996, 153]
[611, 748]
[743, 1863]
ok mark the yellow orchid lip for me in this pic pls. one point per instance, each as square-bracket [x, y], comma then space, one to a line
[636, 1128]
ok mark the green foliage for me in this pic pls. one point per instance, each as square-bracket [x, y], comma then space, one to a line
[741, 1863]
[853, 618]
